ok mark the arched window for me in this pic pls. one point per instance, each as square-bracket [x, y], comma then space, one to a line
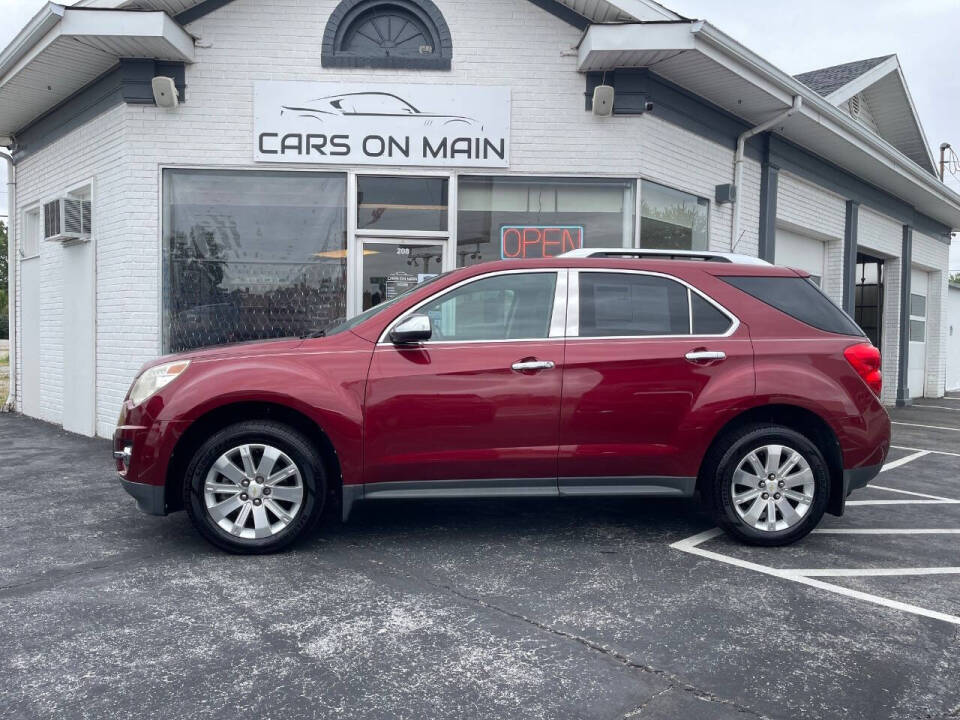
[387, 34]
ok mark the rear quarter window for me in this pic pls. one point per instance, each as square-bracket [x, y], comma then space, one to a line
[800, 299]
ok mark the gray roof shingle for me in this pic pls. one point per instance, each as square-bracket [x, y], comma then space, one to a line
[826, 80]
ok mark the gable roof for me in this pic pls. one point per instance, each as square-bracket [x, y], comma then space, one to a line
[826, 80]
[880, 82]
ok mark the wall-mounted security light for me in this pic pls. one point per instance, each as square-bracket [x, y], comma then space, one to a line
[603, 100]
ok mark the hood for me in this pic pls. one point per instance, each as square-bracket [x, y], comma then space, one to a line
[220, 352]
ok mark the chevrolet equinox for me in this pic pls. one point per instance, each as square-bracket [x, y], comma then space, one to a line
[573, 376]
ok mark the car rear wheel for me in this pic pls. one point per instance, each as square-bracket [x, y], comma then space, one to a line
[769, 485]
[255, 487]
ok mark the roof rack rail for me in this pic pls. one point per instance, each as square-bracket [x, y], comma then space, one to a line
[641, 253]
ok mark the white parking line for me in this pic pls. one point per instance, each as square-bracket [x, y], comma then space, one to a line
[929, 427]
[902, 502]
[940, 407]
[884, 531]
[910, 492]
[691, 545]
[935, 452]
[876, 572]
[904, 460]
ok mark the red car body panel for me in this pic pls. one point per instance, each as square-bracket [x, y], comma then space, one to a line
[458, 412]
[611, 408]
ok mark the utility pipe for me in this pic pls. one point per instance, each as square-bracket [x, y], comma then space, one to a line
[738, 163]
[10, 404]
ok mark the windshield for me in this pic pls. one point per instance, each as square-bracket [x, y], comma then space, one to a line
[367, 314]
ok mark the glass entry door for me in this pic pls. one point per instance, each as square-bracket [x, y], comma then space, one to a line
[400, 235]
[391, 267]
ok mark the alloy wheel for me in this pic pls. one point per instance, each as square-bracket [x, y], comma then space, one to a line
[773, 488]
[253, 491]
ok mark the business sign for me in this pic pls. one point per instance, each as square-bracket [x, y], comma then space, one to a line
[523, 242]
[381, 124]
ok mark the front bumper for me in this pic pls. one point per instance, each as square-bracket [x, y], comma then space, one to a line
[151, 499]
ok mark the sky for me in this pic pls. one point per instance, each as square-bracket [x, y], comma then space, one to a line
[800, 35]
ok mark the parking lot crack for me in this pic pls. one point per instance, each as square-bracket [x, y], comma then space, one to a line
[673, 681]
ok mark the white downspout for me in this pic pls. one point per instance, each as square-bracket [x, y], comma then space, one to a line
[738, 164]
[10, 404]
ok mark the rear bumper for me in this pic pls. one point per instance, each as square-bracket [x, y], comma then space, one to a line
[859, 478]
[151, 499]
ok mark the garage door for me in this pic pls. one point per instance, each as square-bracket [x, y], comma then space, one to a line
[916, 367]
[801, 252]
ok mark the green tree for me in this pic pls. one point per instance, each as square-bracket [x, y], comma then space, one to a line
[4, 330]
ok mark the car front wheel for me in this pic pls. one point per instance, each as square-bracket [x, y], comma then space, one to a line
[770, 485]
[255, 487]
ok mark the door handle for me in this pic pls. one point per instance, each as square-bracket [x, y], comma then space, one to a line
[527, 365]
[701, 356]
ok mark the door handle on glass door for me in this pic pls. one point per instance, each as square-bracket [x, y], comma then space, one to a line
[704, 356]
[527, 365]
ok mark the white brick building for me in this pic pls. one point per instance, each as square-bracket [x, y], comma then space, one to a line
[202, 231]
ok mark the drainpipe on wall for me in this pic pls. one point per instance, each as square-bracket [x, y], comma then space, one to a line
[738, 164]
[10, 404]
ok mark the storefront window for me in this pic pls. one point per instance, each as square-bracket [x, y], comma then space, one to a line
[672, 220]
[401, 203]
[541, 217]
[251, 255]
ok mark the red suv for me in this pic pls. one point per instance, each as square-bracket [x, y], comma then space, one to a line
[565, 377]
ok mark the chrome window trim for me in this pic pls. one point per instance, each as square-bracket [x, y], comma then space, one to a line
[573, 311]
[384, 336]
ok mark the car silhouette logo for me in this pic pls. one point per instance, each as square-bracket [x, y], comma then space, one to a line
[373, 104]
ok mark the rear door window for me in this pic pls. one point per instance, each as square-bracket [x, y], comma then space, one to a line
[630, 305]
[800, 299]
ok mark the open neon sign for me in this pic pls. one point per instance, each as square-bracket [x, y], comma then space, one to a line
[526, 242]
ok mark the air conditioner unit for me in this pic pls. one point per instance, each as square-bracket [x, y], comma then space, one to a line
[67, 220]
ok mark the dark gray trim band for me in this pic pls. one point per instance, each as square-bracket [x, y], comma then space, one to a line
[769, 181]
[822, 172]
[906, 262]
[344, 14]
[151, 499]
[127, 82]
[517, 488]
[637, 87]
[199, 11]
[495, 487]
[619, 486]
[851, 229]
[564, 13]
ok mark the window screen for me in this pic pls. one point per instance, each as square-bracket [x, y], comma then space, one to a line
[615, 304]
[800, 299]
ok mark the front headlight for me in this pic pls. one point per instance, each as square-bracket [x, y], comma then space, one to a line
[155, 378]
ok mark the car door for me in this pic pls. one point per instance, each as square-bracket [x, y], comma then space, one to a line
[476, 409]
[649, 362]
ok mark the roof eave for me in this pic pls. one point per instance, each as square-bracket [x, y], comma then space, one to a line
[815, 102]
[41, 23]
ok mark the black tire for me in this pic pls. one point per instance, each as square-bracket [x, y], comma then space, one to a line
[266, 432]
[722, 462]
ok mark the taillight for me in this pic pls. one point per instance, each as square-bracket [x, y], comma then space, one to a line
[865, 359]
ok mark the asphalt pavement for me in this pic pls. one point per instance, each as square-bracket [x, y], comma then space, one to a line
[561, 608]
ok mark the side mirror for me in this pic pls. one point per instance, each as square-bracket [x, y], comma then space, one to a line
[413, 329]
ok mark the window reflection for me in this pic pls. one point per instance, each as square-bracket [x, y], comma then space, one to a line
[672, 220]
[251, 255]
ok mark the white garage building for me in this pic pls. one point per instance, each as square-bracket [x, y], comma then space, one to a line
[324, 154]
